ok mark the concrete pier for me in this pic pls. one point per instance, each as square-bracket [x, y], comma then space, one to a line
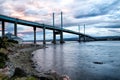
[54, 37]
[15, 28]
[34, 28]
[79, 39]
[44, 40]
[61, 37]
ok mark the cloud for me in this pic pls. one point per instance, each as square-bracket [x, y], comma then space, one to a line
[94, 13]
[109, 26]
[94, 8]
[115, 31]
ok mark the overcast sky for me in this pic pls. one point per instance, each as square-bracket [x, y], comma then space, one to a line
[101, 17]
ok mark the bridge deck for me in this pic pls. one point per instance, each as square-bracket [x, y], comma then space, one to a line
[39, 25]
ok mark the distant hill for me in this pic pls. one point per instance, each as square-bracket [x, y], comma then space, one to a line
[108, 38]
[66, 39]
[76, 39]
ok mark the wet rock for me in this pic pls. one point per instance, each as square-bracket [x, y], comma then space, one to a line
[19, 73]
[98, 62]
[32, 55]
[33, 66]
[45, 78]
[31, 61]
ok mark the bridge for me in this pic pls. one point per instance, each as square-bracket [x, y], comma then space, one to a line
[56, 30]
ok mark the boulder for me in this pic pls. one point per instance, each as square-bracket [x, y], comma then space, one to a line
[19, 73]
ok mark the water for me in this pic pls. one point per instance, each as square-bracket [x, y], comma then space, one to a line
[77, 60]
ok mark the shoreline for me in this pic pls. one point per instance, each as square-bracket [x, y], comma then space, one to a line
[21, 57]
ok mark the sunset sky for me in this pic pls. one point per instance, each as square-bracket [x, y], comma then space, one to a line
[101, 17]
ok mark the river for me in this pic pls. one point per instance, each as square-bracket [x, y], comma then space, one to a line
[99, 60]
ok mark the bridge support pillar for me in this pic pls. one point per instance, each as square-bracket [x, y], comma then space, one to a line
[34, 28]
[61, 37]
[15, 28]
[79, 39]
[3, 28]
[44, 41]
[54, 37]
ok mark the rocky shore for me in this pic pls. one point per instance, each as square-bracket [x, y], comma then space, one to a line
[20, 63]
[20, 56]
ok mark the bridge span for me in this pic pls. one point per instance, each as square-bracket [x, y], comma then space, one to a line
[35, 25]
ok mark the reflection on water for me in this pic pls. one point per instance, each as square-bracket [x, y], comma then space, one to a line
[77, 60]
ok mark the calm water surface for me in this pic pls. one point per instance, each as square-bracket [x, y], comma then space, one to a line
[77, 60]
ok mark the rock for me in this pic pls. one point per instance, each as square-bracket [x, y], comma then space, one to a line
[3, 76]
[52, 75]
[98, 62]
[3, 56]
[19, 73]
[44, 78]
[33, 66]
[31, 61]
[65, 77]
[11, 68]
[32, 55]
[3, 59]
[5, 71]
[50, 72]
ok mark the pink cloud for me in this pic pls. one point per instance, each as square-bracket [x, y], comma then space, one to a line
[40, 11]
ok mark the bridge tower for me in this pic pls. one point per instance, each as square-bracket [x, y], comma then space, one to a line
[54, 35]
[61, 32]
[58, 32]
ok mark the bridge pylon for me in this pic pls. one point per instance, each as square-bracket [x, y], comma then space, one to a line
[58, 33]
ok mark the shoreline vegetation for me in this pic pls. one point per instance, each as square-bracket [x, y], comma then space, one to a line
[18, 65]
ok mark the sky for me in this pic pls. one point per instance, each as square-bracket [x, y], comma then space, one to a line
[101, 17]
